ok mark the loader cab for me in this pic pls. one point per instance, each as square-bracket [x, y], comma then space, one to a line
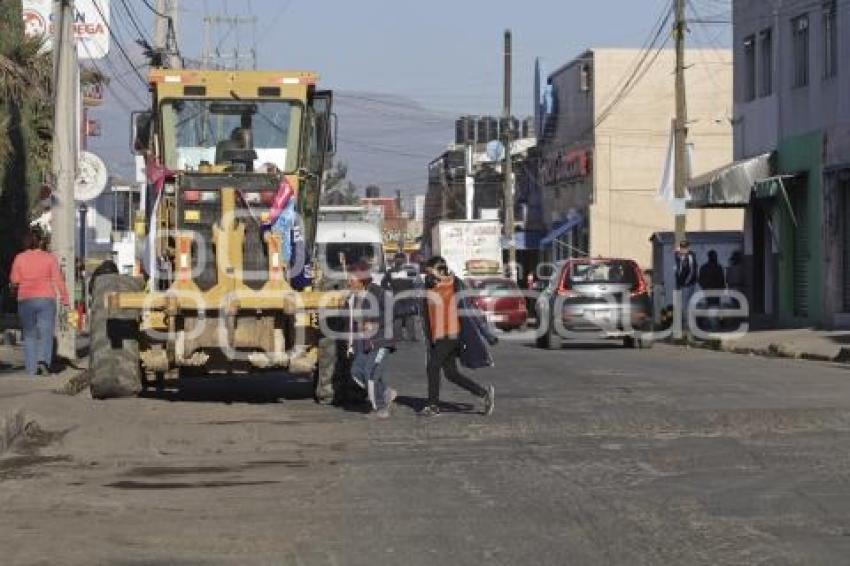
[249, 131]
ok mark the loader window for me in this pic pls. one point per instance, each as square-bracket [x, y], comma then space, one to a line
[196, 131]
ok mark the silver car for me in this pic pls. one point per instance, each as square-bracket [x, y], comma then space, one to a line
[601, 297]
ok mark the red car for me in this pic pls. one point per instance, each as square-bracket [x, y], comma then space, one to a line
[501, 301]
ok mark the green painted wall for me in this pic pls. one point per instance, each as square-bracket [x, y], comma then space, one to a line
[802, 154]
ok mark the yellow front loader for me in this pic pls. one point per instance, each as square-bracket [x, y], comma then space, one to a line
[223, 286]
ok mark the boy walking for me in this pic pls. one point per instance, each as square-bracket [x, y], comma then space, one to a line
[452, 337]
[369, 342]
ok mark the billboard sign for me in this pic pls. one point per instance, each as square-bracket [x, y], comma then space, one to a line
[90, 27]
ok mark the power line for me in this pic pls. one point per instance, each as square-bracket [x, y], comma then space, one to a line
[118, 43]
[135, 22]
[154, 10]
[171, 31]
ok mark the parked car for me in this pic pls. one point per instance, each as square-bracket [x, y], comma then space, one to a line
[605, 297]
[501, 301]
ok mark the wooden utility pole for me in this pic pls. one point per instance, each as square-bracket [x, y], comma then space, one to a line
[165, 33]
[508, 169]
[64, 161]
[681, 130]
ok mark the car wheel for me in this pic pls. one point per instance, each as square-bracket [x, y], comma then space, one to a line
[549, 340]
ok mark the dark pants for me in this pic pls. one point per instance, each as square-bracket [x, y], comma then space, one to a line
[38, 321]
[369, 374]
[442, 355]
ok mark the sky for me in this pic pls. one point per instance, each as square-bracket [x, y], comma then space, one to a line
[403, 70]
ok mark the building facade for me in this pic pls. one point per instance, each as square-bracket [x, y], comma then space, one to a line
[467, 182]
[602, 154]
[792, 102]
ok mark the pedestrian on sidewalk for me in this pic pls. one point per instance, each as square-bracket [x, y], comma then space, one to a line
[369, 339]
[687, 271]
[455, 330]
[36, 275]
[712, 277]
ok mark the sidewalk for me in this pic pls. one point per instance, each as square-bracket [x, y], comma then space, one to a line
[25, 399]
[798, 343]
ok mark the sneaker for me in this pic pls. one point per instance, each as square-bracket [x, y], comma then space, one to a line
[42, 369]
[389, 396]
[382, 413]
[490, 400]
[429, 411]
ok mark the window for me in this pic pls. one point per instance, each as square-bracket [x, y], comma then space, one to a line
[198, 130]
[749, 68]
[766, 62]
[585, 78]
[830, 40]
[800, 44]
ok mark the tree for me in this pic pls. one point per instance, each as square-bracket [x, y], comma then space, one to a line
[26, 111]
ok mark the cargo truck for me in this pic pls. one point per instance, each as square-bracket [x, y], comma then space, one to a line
[463, 241]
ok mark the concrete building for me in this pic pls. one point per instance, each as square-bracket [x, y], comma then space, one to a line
[456, 192]
[792, 110]
[602, 156]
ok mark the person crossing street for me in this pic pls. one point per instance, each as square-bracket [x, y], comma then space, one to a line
[369, 340]
[455, 331]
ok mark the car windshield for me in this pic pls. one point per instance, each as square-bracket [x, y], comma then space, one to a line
[198, 131]
[614, 271]
[336, 256]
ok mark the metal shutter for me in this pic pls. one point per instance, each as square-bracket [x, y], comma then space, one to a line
[845, 189]
[802, 256]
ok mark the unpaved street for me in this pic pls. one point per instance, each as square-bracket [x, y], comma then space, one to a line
[595, 455]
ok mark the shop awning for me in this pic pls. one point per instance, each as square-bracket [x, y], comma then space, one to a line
[773, 187]
[527, 240]
[560, 231]
[730, 185]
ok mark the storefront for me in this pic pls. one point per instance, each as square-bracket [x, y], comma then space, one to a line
[783, 233]
[567, 239]
[566, 177]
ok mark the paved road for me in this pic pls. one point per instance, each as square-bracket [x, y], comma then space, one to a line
[595, 455]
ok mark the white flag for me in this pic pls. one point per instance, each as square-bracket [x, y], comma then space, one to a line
[667, 188]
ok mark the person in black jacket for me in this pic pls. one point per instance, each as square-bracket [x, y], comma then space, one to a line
[455, 330]
[687, 270]
[405, 307]
[712, 277]
[370, 341]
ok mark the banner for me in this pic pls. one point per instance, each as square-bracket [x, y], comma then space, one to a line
[90, 27]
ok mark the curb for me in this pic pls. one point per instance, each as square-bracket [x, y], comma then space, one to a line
[772, 350]
[11, 427]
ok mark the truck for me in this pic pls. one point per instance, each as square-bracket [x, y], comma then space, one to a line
[225, 152]
[464, 242]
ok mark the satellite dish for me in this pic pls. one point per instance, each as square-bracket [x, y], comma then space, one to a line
[495, 150]
[92, 177]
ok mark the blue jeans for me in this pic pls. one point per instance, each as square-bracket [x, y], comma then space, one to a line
[370, 375]
[38, 321]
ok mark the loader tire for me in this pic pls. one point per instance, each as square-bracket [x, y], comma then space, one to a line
[114, 351]
[326, 378]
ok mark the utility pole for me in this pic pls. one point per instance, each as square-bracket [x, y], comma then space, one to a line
[165, 33]
[232, 26]
[508, 169]
[64, 161]
[681, 130]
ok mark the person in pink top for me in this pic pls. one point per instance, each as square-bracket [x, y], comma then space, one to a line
[36, 274]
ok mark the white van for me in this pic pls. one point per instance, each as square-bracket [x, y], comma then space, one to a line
[345, 236]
